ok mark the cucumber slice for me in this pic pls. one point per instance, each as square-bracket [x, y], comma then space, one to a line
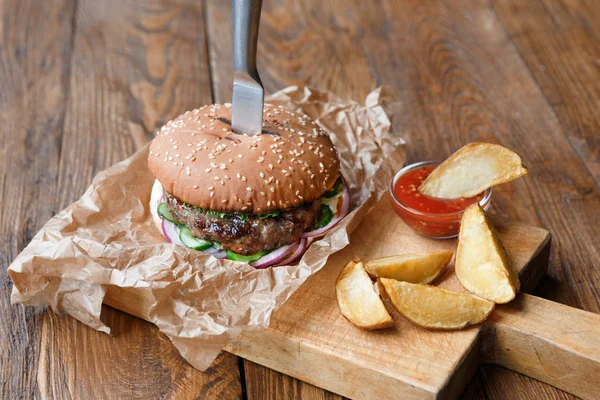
[190, 241]
[163, 211]
[247, 259]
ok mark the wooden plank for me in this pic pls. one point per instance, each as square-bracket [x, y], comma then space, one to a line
[560, 42]
[135, 65]
[265, 383]
[459, 79]
[550, 342]
[34, 57]
[309, 339]
[308, 42]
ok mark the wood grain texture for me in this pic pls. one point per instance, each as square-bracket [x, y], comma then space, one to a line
[523, 74]
[460, 78]
[34, 57]
[308, 337]
[264, 383]
[560, 42]
[550, 342]
[116, 70]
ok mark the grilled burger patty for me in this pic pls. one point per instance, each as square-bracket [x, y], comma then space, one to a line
[245, 236]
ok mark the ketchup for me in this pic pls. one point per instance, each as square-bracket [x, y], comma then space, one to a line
[428, 216]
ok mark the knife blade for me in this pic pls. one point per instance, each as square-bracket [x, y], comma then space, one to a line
[248, 92]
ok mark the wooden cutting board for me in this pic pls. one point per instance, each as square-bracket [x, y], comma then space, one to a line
[309, 339]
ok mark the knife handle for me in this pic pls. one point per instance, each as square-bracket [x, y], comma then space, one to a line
[246, 19]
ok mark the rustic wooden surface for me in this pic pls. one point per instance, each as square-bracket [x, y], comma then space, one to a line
[309, 339]
[84, 83]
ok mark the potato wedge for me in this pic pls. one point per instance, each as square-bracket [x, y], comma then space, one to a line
[414, 268]
[357, 298]
[473, 169]
[482, 265]
[435, 308]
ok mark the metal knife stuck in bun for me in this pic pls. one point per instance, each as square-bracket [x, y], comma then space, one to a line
[258, 199]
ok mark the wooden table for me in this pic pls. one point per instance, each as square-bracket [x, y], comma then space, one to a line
[84, 83]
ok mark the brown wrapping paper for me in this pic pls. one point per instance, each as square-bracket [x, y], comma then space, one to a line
[107, 238]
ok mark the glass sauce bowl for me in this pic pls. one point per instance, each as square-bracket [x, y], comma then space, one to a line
[430, 224]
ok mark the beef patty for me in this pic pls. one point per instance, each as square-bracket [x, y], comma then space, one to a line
[245, 235]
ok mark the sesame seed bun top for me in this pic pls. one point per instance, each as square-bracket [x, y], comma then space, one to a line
[198, 159]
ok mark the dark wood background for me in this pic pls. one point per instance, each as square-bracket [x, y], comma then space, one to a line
[84, 83]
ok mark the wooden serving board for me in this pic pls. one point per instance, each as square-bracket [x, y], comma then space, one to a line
[309, 339]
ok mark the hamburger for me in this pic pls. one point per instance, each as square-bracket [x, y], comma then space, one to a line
[258, 199]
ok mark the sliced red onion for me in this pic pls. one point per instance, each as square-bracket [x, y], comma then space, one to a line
[275, 256]
[343, 211]
[171, 232]
[219, 255]
[211, 250]
[304, 242]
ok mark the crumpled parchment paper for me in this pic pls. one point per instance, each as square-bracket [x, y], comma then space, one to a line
[107, 238]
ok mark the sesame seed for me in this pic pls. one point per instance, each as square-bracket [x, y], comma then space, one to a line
[240, 156]
[262, 194]
[193, 158]
[175, 147]
[223, 201]
[208, 169]
[212, 194]
[216, 178]
[244, 179]
[249, 189]
[211, 188]
[271, 166]
[195, 186]
[244, 208]
[262, 175]
[272, 189]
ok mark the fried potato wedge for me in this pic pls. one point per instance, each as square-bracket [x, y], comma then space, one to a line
[435, 308]
[482, 265]
[473, 169]
[414, 268]
[357, 298]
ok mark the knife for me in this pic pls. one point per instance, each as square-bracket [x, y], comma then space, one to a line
[248, 92]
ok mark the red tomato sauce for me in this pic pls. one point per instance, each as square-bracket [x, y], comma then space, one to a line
[435, 222]
[406, 191]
